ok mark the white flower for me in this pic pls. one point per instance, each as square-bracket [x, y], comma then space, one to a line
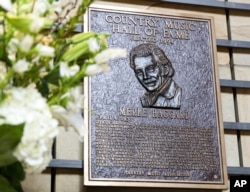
[54, 10]
[25, 8]
[21, 66]
[68, 71]
[71, 116]
[45, 50]
[2, 70]
[40, 7]
[69, 119]
[6, 4]
[36, 24]
[26, 43]
[76, 99]
[56, 7]
[93, 45]
[51, 64]
[110, 53]
[12, 46]
[97, 68]
[26, 105]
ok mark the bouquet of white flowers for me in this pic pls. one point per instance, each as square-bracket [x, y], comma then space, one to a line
[42, 63]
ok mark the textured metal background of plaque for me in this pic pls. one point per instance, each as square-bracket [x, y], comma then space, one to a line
[128, 144]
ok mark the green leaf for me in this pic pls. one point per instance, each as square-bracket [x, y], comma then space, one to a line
[10, 136]
[82, 37]
[53, 77]
[7, 158]
[14, 173]
[5, 185]
[23, 22]
[43, 88]
[1, 49]
[76, 51]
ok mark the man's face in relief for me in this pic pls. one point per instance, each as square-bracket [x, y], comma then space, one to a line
[148, 73]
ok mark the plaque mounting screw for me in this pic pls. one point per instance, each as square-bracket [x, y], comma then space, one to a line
[215, 176]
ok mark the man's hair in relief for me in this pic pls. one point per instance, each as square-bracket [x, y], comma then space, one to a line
[158, 57]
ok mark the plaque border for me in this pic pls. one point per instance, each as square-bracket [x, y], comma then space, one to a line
[88, 181]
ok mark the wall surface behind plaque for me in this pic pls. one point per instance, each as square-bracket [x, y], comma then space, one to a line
[237, 27]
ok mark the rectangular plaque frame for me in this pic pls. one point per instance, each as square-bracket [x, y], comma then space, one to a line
[137, 142]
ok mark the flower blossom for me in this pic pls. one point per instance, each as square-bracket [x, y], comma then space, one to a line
[26, 105]
[102, 59]
[56, 7]
[93, 45]
[108, 54]
[37, 24]
[68, 71]
[21, 66]
[25, 8]
[3, 70]
[6, 4]
[26, 43]
[97, 68]
[76, 99]
[53, 9]
[69, 119]
[45, 50]
[13, 46]
[40, 7]
[71, 115]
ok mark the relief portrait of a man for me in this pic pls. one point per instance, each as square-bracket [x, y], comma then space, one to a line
[154, 71]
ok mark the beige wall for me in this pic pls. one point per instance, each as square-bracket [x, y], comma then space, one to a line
[68, 146]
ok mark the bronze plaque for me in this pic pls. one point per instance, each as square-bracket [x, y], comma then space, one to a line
[154, 120]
